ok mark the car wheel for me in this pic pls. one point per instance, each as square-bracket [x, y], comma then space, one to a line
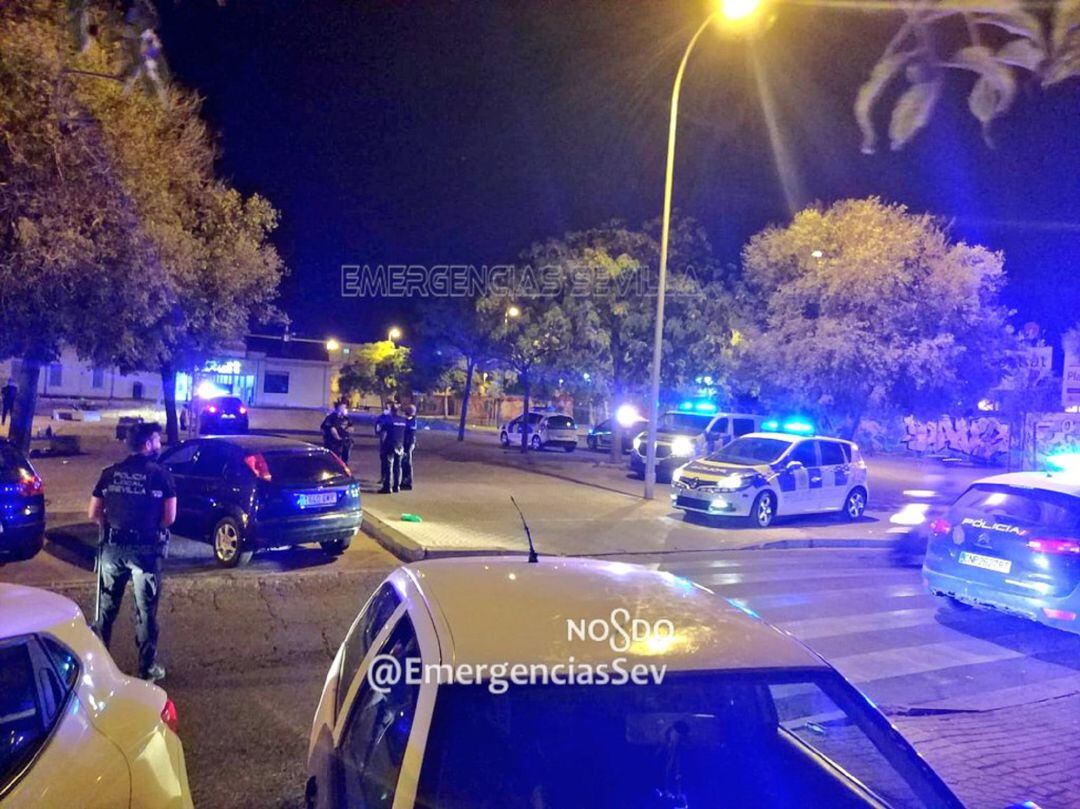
[228, 539]
[336, 547]
[590, 442]
[504, 439]
[764, 510]
[855, 504]
[536, 443]
[570, 448]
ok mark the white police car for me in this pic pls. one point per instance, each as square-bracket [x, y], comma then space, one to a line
[765, 475]
[544, 430]
[690, 432]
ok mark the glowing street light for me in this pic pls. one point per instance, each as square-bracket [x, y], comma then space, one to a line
[735, 13]
[513, 311]
[332, 344]
[394, 334]
[739, 10]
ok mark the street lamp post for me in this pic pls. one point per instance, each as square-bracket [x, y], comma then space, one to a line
[733, 11]
[394, 334]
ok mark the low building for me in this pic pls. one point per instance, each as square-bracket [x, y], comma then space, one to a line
[265, 371]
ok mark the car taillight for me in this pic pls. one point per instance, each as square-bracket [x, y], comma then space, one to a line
[940, 526]
[211, 409]
[257, 464]
[30, 485]
[1059, 547]
[169, 717]
[243, 410]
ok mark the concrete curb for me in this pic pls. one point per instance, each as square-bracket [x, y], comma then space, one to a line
[409, 550]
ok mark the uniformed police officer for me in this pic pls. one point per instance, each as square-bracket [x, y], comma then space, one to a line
[410, 445]
[390, 427]
[134, 503]
[336, 430]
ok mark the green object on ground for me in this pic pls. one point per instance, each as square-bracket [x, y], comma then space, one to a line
[411, 518]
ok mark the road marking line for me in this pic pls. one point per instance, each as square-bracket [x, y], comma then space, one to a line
[868, 666]
[812, 628]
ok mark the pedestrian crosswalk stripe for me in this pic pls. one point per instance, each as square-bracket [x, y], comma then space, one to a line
[920, 659]
[810, 628]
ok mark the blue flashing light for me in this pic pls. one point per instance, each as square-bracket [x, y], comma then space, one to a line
[799, 427]
[686, 406]
[705, 407]
[771, 426]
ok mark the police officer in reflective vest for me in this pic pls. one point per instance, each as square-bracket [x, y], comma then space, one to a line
[410, 445]
[134, 503]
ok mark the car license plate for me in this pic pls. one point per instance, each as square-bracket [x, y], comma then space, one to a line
[319, 499]
[985, 562]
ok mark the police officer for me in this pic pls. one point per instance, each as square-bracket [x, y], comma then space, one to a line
[134, 503]
[336, 429]
[390, 427]
[409, 446]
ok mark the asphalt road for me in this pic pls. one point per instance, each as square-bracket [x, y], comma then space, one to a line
[992, 701]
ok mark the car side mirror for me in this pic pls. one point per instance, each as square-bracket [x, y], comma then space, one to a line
[793, 465]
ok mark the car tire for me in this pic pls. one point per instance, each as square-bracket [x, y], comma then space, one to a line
[336, 547]
[227, 540]
[854, 504]
[590, 442]
[764, 510]
[570, 448]
[504, 439]
[536, 443]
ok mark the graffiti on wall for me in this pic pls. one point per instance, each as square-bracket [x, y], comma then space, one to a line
[1054, 434]
[980, 437]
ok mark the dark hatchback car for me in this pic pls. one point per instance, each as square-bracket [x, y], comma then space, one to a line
[22, 505]
[223, 415]
[1011, 543]
[245, 493]
[601, 436]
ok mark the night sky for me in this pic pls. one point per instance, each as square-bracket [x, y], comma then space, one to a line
[459, 132]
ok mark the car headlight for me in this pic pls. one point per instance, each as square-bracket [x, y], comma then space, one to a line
[637, 444]
[676, 476]
[735, 481]
[682, 447]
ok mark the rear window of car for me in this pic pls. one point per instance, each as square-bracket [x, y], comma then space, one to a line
[227, 403]
[560, 423]
[1027, 506]
[305, 467]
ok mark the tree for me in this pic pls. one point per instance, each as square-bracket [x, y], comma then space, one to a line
[381, 368]
[77, 265]
[1001, 42]
[535, 332]
[123, 244]
[865, 306]
[452, 334]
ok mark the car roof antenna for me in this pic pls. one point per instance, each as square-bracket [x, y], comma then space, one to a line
[533, 558]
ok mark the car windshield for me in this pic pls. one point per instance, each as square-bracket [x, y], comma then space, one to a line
[304, 467]
[1032, 507]
[13, 465]
[684, 422]
[752, 450]
[761, 739]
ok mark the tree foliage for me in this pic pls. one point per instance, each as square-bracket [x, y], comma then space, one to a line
[1000, 43]
[380, 369]
[118, 241]
[865, 306]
